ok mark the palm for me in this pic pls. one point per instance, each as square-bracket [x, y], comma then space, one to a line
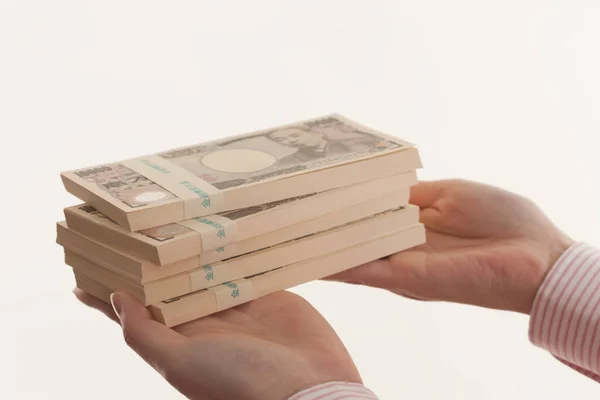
[485, 246]
[276, 333]
[228, 353]
[467, 270]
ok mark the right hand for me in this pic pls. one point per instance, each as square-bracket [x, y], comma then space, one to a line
[485, 246]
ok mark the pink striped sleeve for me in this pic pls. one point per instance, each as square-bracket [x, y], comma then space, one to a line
[335, 391]
[565, 318]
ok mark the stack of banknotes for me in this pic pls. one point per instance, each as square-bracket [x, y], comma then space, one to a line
[199, 229]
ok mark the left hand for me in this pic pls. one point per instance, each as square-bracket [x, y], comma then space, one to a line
[270, 348]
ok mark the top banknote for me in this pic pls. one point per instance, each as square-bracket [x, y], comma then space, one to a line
[240, 171]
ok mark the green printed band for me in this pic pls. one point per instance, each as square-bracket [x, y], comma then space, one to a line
[199, 197]
[203, 195]
[233, 293]
[210, 275]
[155, 166]
[215, 231]
[235, 290]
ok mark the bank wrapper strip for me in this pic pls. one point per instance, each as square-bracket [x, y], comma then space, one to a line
[202, 303]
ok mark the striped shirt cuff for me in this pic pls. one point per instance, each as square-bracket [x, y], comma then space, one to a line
[565, 318]
[335, 391]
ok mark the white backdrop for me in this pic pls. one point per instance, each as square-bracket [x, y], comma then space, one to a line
[506, 92]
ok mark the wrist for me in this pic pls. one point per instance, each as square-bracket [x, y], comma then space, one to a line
[557, 248]
[291, 383]
[548, 259]
[335, 389]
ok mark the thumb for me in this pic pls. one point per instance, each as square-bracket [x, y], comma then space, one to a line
[426, 193]
[379, 274]
[400, 272]
[150, 339]
[376, 273]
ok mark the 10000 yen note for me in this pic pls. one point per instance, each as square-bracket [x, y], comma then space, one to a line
[250, 158]
[170, 231]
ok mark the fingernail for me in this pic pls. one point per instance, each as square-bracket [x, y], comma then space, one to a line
[116, 303]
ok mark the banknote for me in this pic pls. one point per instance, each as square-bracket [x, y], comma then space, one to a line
[170, 231]
[230, 261]
[249, 158]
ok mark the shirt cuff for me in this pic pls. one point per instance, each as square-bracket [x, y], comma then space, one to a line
[335, 391]
[565, 318]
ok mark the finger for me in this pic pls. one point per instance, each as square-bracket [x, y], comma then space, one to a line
[378, 272]
[419, 275]
[430, 217]
[151, 340]
[344, 276]
[425, 193]
[426, 196]
[95, 303]
[401, 271]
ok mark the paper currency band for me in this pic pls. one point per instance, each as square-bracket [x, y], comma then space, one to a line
[210, 275]
[215, 231]
[233, 293]
[199, 197]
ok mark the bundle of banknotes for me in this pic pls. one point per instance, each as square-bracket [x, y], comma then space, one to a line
[196, 230]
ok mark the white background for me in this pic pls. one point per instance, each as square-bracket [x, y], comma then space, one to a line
[505, 92]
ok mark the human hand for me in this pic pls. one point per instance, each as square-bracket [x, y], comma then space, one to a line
[269, 348]
[485, 246]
